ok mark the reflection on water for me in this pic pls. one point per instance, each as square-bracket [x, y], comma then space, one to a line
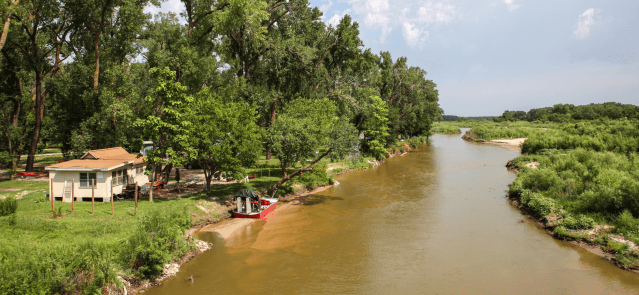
[433, 221]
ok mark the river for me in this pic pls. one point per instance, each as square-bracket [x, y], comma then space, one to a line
[436, 220]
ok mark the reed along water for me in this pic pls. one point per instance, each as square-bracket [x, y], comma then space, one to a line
[436, 220]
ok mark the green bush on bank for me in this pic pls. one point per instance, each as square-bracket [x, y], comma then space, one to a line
[579, 222]
[158, 239]
[8, 206]
[314, 178]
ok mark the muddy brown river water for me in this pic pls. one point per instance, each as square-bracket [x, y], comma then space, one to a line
[436, 220]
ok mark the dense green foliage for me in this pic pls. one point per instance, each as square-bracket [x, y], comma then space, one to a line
[262, 55]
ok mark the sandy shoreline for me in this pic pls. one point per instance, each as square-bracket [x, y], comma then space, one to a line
[511, 144]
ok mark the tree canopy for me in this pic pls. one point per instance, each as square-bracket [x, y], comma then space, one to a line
[236, 79]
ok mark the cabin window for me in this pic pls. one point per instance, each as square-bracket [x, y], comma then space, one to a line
[118, 177]
[86, 179]
[139, 170]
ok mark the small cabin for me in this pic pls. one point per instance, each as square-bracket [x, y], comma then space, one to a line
[98, 173]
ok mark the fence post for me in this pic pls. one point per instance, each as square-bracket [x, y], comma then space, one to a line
[52, 198]
[72, 193]
[111, 197]
[92, 196]
[135, 213]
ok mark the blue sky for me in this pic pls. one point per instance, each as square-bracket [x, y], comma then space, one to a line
[495, 55]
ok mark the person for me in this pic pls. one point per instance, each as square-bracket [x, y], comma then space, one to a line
[177, 174]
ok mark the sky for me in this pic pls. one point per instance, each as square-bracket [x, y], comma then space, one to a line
[495, 55]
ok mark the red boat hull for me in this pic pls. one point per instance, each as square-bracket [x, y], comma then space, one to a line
[256, 215]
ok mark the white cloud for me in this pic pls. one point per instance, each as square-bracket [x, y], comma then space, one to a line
[586, 20]
[511, 5]
[337, 17]
[413, 35]
[411, 17]
[325, 7]
[436, 13]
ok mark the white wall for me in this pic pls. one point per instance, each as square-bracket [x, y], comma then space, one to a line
[58, 178]
[102, 187]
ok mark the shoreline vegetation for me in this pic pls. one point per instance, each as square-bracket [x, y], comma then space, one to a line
[578, 179]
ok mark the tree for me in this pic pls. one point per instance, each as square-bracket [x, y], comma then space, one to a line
[309, 130]
[410, 97]
[41, 39]
[225, 133]
[376, 127]
[169, 127]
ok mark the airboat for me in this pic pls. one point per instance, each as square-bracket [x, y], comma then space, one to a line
[250, 205]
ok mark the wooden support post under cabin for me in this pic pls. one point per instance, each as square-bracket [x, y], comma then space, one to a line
[51, 196]
[238, 202]
[135, 212]
[111, 197]
[92, 196]
[72, 193]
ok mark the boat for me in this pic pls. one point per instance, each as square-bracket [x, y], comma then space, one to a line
[257, 207]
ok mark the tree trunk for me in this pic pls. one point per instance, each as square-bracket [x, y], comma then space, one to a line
[7, 22]
[273, 114]
[152, 181]
[167, 170]
[39, 111]
[96, 73]
[13, 146]
[289, 176]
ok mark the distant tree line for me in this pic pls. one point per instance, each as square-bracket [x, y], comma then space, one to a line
[458, 118]
[562, 113]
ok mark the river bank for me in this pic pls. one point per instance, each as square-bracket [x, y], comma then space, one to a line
[592, 240]
[600, 240]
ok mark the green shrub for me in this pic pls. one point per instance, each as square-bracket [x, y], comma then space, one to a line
[416, 141]
[628, 225]
[615, 247]
[284, 189]
[158, 239]
[581, 222]
[316, 177]
[8, 206]
[541, 205]
[561, 232]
